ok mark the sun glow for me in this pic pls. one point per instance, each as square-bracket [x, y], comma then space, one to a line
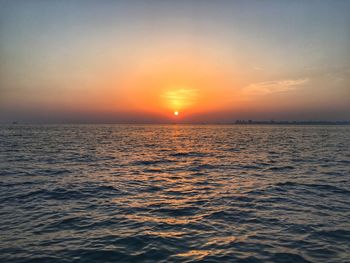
[179, 99]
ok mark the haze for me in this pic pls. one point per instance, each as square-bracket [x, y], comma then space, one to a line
[141, 61]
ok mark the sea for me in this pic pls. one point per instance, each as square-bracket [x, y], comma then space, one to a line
[174, 193]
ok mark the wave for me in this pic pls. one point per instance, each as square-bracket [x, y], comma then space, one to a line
[108, 193]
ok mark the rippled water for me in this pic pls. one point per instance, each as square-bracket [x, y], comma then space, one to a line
[122, 193]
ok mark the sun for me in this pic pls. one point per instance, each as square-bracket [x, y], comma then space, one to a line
[176, 113]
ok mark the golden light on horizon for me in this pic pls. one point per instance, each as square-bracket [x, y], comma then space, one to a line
[164, 86]
[179, 99]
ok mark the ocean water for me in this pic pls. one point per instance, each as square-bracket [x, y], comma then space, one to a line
[174, 193]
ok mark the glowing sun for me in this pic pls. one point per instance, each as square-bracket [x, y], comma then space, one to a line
[176, 113]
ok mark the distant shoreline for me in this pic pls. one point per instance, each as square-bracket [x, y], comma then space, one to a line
[293, 122]
[238, 122]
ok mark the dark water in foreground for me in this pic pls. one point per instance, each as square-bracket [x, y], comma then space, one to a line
[124, 193]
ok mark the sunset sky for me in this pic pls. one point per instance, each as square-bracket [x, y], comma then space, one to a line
[140, 61]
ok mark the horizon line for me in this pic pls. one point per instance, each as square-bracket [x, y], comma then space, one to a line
[237, 122]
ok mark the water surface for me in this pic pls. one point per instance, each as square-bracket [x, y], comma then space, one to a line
[138, 193]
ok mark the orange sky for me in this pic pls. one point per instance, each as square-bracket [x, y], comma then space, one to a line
[222, 59]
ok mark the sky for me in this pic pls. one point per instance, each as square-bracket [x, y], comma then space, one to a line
[140, 61]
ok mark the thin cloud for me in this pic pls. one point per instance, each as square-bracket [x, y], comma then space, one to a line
[268, 87]
[183, 94]
[180, 98]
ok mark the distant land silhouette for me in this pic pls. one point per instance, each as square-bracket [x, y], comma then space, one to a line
[294, 122]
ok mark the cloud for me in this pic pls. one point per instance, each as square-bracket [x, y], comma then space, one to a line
[180, 98]
[182, 94]
[257, 68]
[268, 87]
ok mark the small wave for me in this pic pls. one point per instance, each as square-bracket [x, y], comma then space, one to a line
[337, 234]
[288, 258]
[153, 170]
[58, 194]
[181, 211]
[253, 167]
[344, 161]
[203, 167]
[324, 187]
[152, 162]
[96, 255]
[229, 215]
[187, 154]
[281, 168]
[66, 194]
[53, 171]
[153, 188]
[106, 188]
[235, 150]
